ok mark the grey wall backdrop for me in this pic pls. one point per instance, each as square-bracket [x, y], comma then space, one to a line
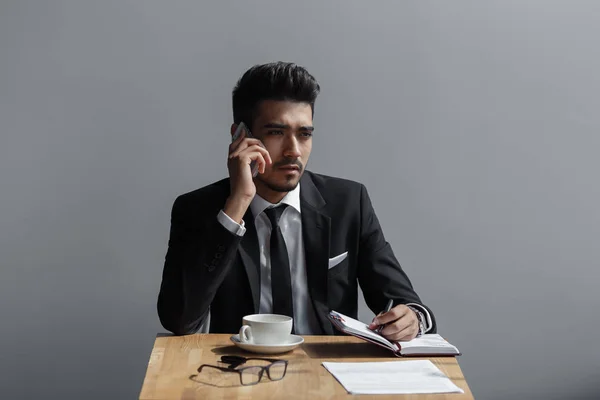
[474, 124]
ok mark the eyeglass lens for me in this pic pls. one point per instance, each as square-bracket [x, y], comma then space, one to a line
[251, 375]
[276, 371]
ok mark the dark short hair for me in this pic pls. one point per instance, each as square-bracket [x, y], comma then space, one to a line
[273, 81]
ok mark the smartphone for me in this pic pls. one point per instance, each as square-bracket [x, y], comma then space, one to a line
[242, 127]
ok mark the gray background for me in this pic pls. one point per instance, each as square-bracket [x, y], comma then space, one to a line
[473, 124]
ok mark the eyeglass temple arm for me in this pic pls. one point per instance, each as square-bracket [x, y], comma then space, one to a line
[265, 359]
[216, 367]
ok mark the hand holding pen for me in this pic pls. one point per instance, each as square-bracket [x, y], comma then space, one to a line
[387, 309]
[396, 323]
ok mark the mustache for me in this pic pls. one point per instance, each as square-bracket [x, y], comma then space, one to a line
[288, 162]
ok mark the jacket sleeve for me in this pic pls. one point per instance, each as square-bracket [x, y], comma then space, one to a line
[379, 273]
[200, 253]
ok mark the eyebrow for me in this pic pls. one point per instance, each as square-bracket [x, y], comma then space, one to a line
[285, 126]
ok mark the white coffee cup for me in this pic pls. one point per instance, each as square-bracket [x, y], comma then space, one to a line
[266, 329]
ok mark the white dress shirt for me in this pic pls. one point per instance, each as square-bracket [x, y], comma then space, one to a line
[305, 319]
[290, 223]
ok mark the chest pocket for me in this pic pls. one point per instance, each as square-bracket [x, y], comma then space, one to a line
[338, 264]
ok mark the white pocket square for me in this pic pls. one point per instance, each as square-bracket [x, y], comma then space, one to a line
[337, 259]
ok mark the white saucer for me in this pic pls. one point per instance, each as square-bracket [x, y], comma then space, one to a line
[293, 342]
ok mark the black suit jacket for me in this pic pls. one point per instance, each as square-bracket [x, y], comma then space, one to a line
[207, 266]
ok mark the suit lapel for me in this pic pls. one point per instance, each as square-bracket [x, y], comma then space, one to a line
[249, 251]
[316, 228]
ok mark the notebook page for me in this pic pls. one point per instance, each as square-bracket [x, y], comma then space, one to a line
[362, 329]
[391, 377]
[428, 343]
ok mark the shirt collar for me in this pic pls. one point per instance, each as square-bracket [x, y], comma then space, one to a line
[292, 198]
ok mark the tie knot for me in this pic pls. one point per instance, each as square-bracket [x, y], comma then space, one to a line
[274, 214]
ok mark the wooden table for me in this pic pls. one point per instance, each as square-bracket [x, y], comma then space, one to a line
[172, 370]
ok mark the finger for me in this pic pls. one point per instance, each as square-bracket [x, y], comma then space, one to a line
[251, 144]
[395, 313]
[255, 156]
[262, 164]
[408, 333]
[397, 326]
[244, 147]
[243, 143]
[264, 152]
[406, 326]
[405, 330]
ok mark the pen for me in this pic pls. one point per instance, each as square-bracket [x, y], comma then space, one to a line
[387, 309]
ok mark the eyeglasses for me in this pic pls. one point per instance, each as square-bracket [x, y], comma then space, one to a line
[251, 375]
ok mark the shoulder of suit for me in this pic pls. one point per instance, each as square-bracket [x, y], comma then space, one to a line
[215, 191]
[327, 183]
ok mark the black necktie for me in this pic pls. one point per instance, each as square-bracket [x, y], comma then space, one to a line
[281, 283]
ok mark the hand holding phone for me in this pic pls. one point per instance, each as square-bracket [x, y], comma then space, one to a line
[244, 152]
[243, 128]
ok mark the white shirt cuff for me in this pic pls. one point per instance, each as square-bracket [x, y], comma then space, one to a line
[230, 224]
[428, 322]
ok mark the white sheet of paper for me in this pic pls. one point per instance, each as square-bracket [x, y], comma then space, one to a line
[391, 377]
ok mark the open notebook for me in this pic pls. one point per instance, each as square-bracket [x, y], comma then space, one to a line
[427, 345]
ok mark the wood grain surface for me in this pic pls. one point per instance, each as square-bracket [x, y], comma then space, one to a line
[172, 370]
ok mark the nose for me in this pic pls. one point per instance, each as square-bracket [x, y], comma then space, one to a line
[291, 148]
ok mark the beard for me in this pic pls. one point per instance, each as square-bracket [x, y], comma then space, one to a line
[281, 187]
[288, 186]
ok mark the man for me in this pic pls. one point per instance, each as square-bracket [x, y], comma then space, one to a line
[287, 241]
